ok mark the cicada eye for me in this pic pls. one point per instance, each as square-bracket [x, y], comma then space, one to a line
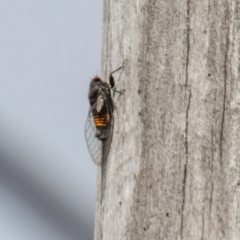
[97, 78]
[111, 81]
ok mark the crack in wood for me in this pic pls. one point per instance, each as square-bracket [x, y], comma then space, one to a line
[225, 83]
[186, 162]
[188, 42]
[211, 177]
[187, 114]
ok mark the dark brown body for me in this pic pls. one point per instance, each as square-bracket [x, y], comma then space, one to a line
[100, 120]
[101, 107]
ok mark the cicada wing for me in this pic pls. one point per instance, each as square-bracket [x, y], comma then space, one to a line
[107, 143]
[95, 147]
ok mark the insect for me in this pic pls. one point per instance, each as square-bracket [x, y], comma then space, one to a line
[100, 120]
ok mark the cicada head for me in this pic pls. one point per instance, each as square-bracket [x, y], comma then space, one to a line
[97, 78]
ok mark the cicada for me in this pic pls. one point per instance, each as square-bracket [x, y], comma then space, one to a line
[100, 120]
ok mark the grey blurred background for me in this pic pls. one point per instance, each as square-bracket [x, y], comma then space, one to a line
[49, 51]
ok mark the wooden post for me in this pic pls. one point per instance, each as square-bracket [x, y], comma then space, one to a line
[173, 171]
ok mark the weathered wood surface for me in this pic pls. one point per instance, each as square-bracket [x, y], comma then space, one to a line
[174, 167]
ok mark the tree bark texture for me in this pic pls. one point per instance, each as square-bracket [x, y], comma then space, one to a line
[173, 171]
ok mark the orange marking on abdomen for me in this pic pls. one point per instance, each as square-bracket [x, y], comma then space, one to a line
[101, 120]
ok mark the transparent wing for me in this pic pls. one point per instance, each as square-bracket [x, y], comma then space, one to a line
[98, 149]
[107, 143]
[105, 150]
[95, 147]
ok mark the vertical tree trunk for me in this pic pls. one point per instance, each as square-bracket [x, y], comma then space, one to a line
[174, 167]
